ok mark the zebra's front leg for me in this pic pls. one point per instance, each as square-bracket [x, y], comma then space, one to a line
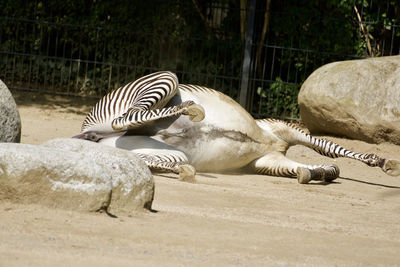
[277, 164]
[156, 154]
[165, 163]
[136, 116]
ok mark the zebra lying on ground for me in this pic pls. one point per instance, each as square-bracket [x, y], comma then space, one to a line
[183, 128]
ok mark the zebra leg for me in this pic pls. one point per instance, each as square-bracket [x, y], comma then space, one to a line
[156, 154]
[277, 164]
[143, 100]
[165, 163]
[135, 116]
[294, 135]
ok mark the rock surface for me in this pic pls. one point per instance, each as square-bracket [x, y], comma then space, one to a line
[10, 120]
[132, 181]
[83, 176]
[359, 99]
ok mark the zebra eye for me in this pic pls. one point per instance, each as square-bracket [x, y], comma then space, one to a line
[91, 137]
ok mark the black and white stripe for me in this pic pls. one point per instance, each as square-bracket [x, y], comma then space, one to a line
[163, 162]
[284, 171]
[196, 89]
[281, 171]
[145, 94]
[294, 135]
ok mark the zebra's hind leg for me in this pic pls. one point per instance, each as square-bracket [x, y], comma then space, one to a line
[277, 164]
[165, 163]
[136, 116]
[294, 135]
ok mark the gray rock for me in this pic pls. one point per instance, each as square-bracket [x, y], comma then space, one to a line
[10, 120]
[87, 180]
[33, 174]
[132, 181]
[359, 99]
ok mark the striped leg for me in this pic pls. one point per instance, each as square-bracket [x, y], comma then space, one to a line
[170, 163]
[156, 154]
[293, 136]
[138, 102]
[277, 164]
[138, 116]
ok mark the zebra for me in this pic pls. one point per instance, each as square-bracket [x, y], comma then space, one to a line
[183, 128]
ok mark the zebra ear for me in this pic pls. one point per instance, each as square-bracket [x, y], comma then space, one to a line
[91, 136]
[80, 136]
[96, 136]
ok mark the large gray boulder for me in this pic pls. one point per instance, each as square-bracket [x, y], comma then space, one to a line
[75, 174]
[132, 181]
[10, 121]
[359, 99]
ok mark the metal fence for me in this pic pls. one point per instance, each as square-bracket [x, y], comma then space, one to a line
[263, 69]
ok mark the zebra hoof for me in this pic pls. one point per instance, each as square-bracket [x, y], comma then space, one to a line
[303, 175]
[331, 173]
[195, 112]
[187, 173]
[391, 167]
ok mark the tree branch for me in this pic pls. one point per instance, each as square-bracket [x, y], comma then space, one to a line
[263, 34]
[196, 4]
[365, 33]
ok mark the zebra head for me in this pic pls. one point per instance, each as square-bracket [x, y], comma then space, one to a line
[97, 136]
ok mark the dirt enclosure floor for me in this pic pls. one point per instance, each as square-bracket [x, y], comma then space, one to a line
[222, 220]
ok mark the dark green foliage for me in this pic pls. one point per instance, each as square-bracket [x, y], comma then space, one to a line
[91, 47]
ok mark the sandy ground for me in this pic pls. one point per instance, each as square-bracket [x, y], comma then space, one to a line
[222, 220]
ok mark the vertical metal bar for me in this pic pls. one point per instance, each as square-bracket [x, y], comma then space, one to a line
[183, 68]
[14, 50]
[135, 58]
[391, 44]
[78, 65]
[128, 57]
[30, 60]
[71, 65]
[271, 76]
[55, 63]
[95, 61]
[247, 56]
[47, 57]
[63, 60]
[104, 89]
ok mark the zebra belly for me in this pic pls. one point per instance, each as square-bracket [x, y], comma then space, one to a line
[219, 155]
[212, 149]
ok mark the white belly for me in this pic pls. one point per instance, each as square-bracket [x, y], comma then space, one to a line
[221, 154]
